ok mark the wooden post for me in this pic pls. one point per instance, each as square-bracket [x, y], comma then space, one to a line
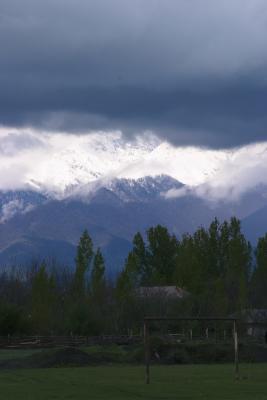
[147, 338]
[207, 333]
[236, 352]
[147, 351]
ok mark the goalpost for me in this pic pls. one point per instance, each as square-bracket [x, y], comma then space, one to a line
[147, 321]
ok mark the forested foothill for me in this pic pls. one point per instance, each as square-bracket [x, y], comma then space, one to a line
[217, 269]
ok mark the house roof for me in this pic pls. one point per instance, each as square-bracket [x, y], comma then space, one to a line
[161, 291]
[253, 316]
[256, 315]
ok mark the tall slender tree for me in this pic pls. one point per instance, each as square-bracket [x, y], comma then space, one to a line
[162, 254]
[43, 299]
[238, 267]
[98, 274]
[83, 261]
[258, 284]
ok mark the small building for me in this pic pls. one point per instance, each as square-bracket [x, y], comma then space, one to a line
[160, 300]
[166, 292]
[255, 322]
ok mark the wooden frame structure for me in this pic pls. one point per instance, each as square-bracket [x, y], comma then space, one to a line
[147, 320]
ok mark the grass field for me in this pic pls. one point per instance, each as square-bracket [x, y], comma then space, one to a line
[214, 382]
[11, 354]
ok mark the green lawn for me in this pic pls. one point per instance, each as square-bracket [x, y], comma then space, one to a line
[214, 382]
[6, 354]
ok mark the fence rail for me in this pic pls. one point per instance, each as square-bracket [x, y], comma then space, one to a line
[20, 342]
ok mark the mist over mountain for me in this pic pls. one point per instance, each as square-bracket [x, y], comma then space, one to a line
[51, 228]
[115, 188]
[55, 163]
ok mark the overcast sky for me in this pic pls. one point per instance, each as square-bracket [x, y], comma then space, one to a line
[192, 71]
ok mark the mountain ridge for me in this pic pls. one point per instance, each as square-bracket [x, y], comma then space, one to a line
[112, 211]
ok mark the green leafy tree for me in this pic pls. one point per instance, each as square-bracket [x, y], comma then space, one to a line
[125, 296]
[128, 278]
[161, 255]
[215, 263]
[142, 266]
[98, 275]
[136, 264]
[43, 300]
[12, 320]
[83, 260]
[237, 266]
[258, 285]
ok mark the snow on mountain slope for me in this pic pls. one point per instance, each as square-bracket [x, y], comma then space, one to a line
[58, 164]
[84, 159]
[125, 189]
[142, 189]
[55, 163]
[18, 202]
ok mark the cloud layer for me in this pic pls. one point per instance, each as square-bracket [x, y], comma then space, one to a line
[242, 171]
[191, 71]
[59, 163]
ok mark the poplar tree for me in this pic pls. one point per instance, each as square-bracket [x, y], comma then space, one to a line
[83, 261]
[43, 298]
[161, 255]
[258, 287]
[98, 274]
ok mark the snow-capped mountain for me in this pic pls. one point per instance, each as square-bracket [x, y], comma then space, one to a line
[31, 223]
[56, 163]
[143, 189]
[54, 186]
[36, 227]
[126, 190]
[112, 213]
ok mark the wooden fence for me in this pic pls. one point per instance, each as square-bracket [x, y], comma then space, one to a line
[29, 342]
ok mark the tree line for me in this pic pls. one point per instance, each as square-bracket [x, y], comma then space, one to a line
[217, 267]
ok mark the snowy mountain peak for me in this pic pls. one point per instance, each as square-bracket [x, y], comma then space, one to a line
[126, 190]
[58, 164]
[142, 189]
[55, 163]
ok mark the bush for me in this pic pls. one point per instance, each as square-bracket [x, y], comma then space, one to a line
[12, 320]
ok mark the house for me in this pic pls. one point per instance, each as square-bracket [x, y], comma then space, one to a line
[255, 322]
[163, 292]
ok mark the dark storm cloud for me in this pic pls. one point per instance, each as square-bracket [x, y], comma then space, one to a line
[192, 71]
